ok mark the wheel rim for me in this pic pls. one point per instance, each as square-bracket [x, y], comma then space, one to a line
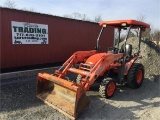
[139, 76]
[110, 89]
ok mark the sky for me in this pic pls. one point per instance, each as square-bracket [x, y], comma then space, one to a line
[108, 9]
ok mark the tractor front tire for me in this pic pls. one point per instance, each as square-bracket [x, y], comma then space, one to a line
[107, 88]
[135, 76]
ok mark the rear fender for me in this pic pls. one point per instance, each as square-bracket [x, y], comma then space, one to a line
[129, 64]
[102, 66]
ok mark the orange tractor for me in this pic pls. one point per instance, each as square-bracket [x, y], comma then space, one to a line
[116, 66]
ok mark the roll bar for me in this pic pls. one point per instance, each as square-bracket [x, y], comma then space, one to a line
[126, 37]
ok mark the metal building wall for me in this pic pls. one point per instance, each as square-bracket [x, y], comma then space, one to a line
[65, 37]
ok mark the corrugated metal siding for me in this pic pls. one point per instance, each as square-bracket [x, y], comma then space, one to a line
[65, 37]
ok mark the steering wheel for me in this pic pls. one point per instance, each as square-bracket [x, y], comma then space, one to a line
[114, 50]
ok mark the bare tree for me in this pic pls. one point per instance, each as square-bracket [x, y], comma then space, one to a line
[146, 33]
[156, 36]
[85, 18]
[73, 15]
[77, 16]
[98, 18]
[10, 4]
[139, 18]
[30, 10]
[67, 16]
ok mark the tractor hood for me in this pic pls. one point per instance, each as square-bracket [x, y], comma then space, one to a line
[94, 58]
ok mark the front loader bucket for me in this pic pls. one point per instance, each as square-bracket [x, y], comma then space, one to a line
[61, 94]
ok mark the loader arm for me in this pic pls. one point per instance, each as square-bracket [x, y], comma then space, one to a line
[74, 59]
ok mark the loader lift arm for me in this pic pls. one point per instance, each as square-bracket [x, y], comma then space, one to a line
[77, 57]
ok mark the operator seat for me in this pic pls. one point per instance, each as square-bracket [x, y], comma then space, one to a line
[128, 49]
[128, 54]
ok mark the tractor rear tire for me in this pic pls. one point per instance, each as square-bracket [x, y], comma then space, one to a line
[135, 76]
[107, 88]
[78, 79]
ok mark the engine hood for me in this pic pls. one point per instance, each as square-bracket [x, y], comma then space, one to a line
[94, 58]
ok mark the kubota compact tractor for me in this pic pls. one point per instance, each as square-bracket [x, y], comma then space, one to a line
[116, 66]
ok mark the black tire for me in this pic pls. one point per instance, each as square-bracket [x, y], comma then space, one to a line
[105, 88]
[78, 79]
[135, 76]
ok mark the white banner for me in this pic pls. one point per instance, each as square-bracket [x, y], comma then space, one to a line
[29, 33]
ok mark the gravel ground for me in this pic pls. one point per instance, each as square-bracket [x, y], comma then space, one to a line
[18, 98]
[18, 101]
